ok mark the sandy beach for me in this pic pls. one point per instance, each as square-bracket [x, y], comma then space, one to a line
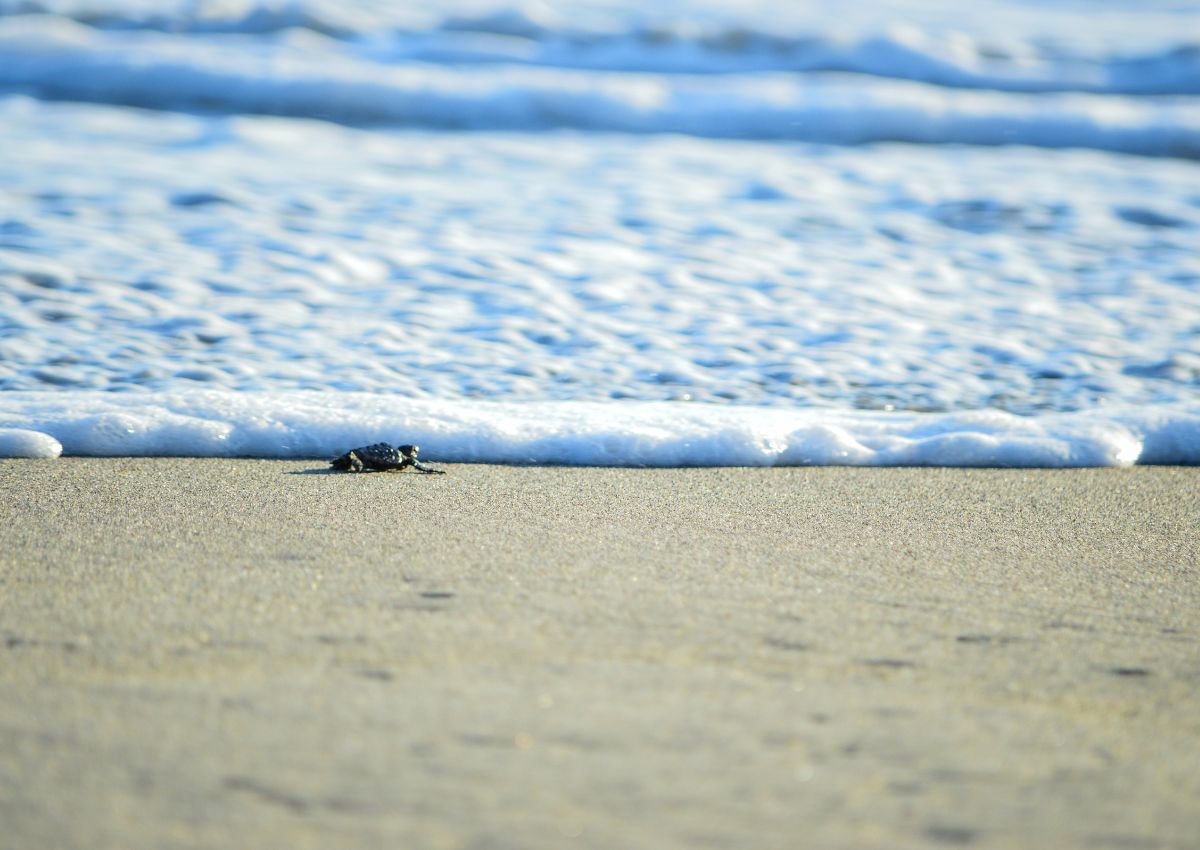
[236, 653]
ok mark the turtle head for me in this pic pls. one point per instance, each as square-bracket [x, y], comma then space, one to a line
[409, 451]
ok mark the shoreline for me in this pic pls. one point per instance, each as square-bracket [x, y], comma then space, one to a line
[203, 652]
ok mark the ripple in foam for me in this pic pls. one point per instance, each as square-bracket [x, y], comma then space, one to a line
[663, 434]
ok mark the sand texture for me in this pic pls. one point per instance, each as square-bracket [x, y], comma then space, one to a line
[236, 653]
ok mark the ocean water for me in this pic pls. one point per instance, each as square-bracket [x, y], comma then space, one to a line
[605, 232]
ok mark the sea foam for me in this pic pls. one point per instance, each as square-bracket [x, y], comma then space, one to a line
[321, 425]
[18, 442]
[144, 251]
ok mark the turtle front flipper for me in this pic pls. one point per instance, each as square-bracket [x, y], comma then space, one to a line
[410, 459]
[349, 462]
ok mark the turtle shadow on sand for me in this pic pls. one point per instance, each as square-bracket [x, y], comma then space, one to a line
[322, 470]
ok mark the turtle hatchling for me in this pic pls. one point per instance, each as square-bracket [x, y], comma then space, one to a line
[382, 457]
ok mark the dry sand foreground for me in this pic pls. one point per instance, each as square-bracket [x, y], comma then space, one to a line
[221, 653]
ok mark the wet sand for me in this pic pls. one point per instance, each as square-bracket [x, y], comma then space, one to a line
[235, 653]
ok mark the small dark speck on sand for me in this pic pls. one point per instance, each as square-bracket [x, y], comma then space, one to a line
[377, 675]
[264, 793]
[986, 639]
[787, 645]
[1129, 671]
[894, 663]
[951, 834]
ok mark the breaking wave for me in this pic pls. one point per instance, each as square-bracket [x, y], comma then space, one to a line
[497, 74]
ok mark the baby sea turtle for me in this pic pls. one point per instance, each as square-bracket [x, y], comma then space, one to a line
[383, 458]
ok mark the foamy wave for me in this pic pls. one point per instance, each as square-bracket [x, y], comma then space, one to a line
[318, 425]
[59, 60]
[904, 53]
[677, 40]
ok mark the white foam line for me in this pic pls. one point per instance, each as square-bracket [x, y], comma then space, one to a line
[323, 424]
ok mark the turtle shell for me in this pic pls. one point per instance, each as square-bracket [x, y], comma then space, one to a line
[380, 456]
